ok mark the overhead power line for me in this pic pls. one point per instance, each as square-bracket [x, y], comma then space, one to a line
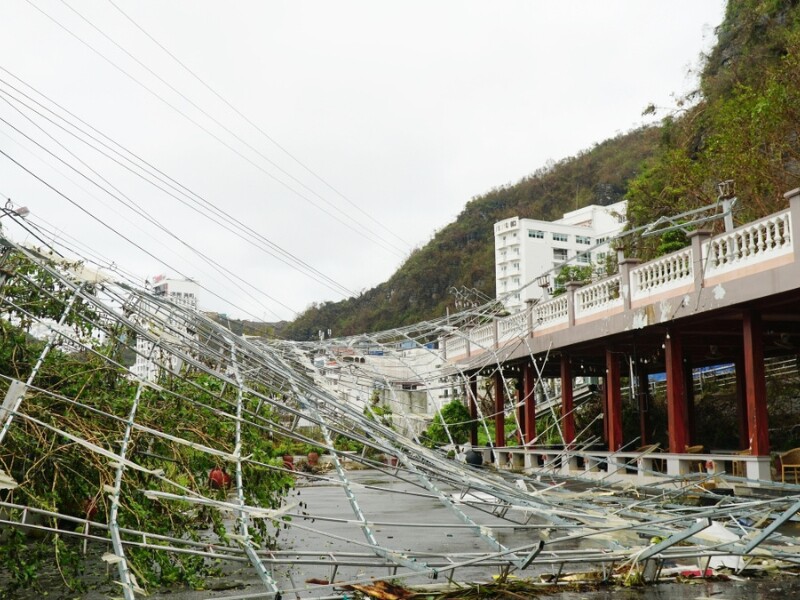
[357, 228]
[129, 204]
[258, 128]
[219, 218]
[123, 236]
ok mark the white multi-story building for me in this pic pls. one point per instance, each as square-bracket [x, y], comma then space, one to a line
[183, 292]
[163, 323]
[525, 249]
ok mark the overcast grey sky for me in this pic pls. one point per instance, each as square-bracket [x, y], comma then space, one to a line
[344, 133]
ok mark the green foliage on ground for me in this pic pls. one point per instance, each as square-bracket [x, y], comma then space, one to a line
[87, 395]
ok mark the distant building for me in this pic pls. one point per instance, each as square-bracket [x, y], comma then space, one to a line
[69, 338]
[165, 323]
[400, 378]
[183, 292]
[527, 248]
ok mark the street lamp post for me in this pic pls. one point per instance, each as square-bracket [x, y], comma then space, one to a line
[9, 210]
[727, 196]
[543, 281]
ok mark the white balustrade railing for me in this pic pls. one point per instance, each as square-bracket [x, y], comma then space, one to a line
[552, 312]
[455, 346]
[597, 297]
[482, 338]
[663, 274]
[750, 244]
[625, 466]
[512, 326]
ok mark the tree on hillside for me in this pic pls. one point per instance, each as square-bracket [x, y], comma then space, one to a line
[462, 253]
[745, 127]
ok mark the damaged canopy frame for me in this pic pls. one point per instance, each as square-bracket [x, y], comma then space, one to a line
[255, 394]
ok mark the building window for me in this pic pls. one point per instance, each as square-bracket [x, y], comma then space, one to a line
[582, 239]
[602, 240]
[560, 237]
[513, 224]
[560, 254]
[516, 266]
[584, 257]
[535, 233]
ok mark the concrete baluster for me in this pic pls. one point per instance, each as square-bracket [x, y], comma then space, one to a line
[698, 238]
[625, 284]
[794, 209]
[571, 287]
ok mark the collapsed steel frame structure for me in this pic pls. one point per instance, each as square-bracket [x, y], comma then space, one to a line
[280, 378]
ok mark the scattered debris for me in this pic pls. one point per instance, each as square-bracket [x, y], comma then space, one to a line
[586, 533]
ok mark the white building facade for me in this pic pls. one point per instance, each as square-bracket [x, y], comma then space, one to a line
[407, 381]
[183, 292]
[526, 249]
[151, 360]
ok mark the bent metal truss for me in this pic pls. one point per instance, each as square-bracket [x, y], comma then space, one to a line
[131, 441]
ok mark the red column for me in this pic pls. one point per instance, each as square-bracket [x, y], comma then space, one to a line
[614, 401]
[741, 403]
[567, 405]
[520, 412]
[604, 403]
[529, 388]
[473, 410]
[688, 378]
[643, 391]
[499, 410]
[755, 385]
[677, 407]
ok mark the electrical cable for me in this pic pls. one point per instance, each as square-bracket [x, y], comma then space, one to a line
[214, 264]
[255, 126]
[273, 248]
[120, 234]
[363, 232]
[127, 202]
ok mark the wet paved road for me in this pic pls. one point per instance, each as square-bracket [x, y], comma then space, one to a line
[385, 506]
[391, 503]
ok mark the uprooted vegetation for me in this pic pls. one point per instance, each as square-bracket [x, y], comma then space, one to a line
[62, 453]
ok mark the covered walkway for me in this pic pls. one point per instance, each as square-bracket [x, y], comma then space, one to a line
[730, 299]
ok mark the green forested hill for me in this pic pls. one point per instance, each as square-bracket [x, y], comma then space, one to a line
[745, 127]
[742, 124]
[462, 253]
